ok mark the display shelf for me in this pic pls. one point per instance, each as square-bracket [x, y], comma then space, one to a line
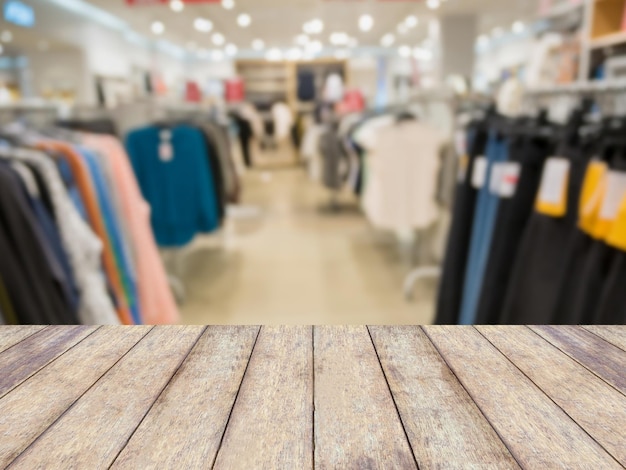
[614, 39]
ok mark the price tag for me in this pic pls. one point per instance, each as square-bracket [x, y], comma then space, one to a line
[479, 174]
[166, 152]
[552, 198]
[495, 179]
[615, 191]
[510, 177]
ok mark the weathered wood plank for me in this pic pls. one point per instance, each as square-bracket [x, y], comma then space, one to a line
[592, 403]
[24, 359]
[271, 422]
[96, 428]
[30, 408]
[613, 334]
[444, 425]
[537, 432]
[602, 358]
[356, 422]
[195, 406]
[11, 335]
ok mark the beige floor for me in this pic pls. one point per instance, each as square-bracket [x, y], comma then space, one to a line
[294, 262]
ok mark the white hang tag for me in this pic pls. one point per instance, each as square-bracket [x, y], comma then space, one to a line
[553, 180]
[166, 151]
[510, 177]
[615, 191]
[479, 174]
[495, 179]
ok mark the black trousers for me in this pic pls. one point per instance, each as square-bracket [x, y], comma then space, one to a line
[511, 221]
[545, 256]
[611, 307]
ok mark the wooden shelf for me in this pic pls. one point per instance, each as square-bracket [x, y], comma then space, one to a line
[609, 40]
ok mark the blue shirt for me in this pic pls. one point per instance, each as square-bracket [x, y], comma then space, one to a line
[180, 189]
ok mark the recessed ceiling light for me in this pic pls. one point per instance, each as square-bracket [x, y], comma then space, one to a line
[404, 51]
[518, 27]
[274, 54]
[339, 39]
[315, 26]
[177, 5]
[6, 36]
[228, 4]
[433, 4]
[258, 45]
[302, 39]
[294, 53]
[218, 39]
[244, 20]
[231, 50]
[388, 40]
[411, 21]
[314, 47]
[203, 25]
[366, 22]
[158, 27]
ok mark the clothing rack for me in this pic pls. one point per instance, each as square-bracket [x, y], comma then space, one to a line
[32, 113]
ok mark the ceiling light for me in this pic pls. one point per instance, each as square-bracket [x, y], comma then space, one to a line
[366, 22]
[244, 20]
[6, 36]
[411, 21]
[217, 55]
[433, 4]
[402, 28]
[203, 25]
[518, 27]
[228, 4]
[404, 51]
[315, 26]
[388, 40]
[314, 47]
[294, 53]
[158, 27]
[274, 55]
[339, 39]
[258, 45]
[231, 50]
[218, 39]
[422, 54]
[302, 39]
[177, 5]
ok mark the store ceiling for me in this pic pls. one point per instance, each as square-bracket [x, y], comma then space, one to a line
[278, 22]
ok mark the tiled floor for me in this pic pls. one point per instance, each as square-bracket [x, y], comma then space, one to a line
[294, 262]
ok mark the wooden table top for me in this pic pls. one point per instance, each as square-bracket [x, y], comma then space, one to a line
[303, 397]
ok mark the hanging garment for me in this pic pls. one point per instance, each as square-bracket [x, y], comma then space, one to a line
[306, 86]
[611, 306]
[155, 297]
[219, 136]
[454, 267]
[283, 121]
[215, 174]
[334, 159]
[483, 227]
[32, 276]
[82, 246]
[517, 196]
[88, 197]
[174, 176]
[7, 312]
[545, 254]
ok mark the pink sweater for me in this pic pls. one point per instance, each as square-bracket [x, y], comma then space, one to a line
[157, 303]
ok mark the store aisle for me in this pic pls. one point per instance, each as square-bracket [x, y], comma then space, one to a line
[295, 263]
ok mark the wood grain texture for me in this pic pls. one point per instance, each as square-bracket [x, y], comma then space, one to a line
[29, 409]
[27, 357]
[602, 358]
[195, 406]
[537, 432]
[592, 403]
[271, 422]
[356, 422]
[444, 425]
[11, 335]
[95, 429]
[613, 334]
